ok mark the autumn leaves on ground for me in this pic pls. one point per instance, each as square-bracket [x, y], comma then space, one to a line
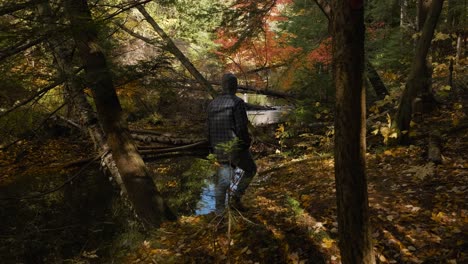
[418, 208]
[418, 213]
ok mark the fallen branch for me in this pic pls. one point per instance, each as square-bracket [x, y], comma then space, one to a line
[286, 164]
[15, 50]
[153, 150]
[260, 91]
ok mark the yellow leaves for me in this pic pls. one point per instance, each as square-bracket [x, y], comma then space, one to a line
[440, 36]
[306, 198]
[457, 106]
[458, 114]
[440, 217]
[90, 254]
[171, 184]
[162, 170]
[446, 88]
[386, 130]
[416, 35]
[390, 76]
[327, 242]
[382, 258]
[279, 131]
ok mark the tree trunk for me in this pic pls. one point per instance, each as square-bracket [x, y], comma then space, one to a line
[172, 48]
[372, 75]
[379, 87]
[419, 76]
[403, 13]
[459, 52]
[141, 190]
[351, 184]
[422, 9]
[455, 20]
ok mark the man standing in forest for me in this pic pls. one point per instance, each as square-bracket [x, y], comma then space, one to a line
[230, 141]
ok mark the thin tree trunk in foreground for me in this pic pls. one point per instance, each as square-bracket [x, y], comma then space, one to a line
[141, 190]
[419, 77]
[350, 146]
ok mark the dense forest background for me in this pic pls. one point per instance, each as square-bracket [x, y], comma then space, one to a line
[103, 152]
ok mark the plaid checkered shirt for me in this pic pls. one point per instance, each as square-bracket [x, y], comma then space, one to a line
[227, 120]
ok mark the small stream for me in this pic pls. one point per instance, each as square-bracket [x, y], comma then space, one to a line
[207, 203]
[89, 209]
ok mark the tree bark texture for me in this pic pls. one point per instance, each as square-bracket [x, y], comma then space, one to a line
[455, 20]
[419, 76]
[351, 184]
[372, 74]
[75, 95]
[172, 48]
[422, 9]
[142, 193]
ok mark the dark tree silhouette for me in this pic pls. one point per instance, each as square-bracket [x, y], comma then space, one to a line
[350, 146]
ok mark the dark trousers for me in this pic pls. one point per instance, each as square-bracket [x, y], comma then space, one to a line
[226, 175]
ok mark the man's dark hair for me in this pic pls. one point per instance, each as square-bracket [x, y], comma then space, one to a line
[229, 83]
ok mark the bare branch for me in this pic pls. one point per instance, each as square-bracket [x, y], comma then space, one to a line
[22, 47]
[8, 9]
[38, 93]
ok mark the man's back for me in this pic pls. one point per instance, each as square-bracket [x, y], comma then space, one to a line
[227, 120]
[221, 118]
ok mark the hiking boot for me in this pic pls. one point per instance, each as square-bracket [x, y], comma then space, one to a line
[237, 204]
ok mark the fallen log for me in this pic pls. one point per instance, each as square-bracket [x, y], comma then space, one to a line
[149, 149]
[199, 148]
[255, 90]
[148, 136]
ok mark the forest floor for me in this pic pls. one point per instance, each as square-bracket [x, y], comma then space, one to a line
[418, 213]
[418, 209]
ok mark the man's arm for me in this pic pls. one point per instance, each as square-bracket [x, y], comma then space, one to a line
[241, 125]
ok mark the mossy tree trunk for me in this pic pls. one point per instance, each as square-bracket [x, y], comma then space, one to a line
[350, 146]
[419, 78]
[145, 199]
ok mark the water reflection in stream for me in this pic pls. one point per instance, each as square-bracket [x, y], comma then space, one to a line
[207, 203]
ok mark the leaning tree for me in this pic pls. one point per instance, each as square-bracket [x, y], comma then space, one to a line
[137, 182]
